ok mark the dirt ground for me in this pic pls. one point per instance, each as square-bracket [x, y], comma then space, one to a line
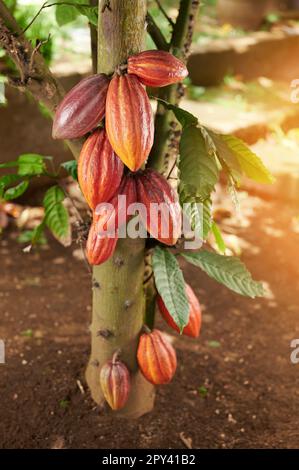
[242, 358]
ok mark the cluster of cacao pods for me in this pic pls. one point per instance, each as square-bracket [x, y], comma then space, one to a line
[125, 139]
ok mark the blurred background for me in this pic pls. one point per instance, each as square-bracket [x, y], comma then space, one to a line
[236, 387]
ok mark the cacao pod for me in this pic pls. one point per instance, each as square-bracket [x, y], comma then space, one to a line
[192, 329]
[99, 169]
[115, 383]
[163, 213]
[111, 219]
[82, 108]
[129, 120]
[99, 249]
[156, 358]
[157, 68]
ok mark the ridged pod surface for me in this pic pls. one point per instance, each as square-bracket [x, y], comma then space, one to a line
[129, 120]
[157, 68]
[82, 108]
[192, 329]
[110, 219]
[163, 212]
[115, 383]
[99, 169]
[156, 358]
[99, 249]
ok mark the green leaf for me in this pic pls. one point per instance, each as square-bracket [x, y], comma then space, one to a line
[35, 236]
[238, 157]
[218, 237]
[198, 168]
[56, 215]
[31, 164]
[227, 270]
[72, 168]
[16, 191]
[9, 164]
[171, 285]
[7, 180]
[90, 12]
[207, 218]
[68, 13]
[184, 117]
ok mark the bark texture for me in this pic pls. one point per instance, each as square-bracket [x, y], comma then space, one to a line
[118, 294]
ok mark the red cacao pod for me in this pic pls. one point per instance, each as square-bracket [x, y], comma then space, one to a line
[82, 108]
[129, 120]
[115, 383]
[110, 219]
[99, 169]
[156, 358]
[192, 329]
[163, 213]
[157, 68]
[99, 249]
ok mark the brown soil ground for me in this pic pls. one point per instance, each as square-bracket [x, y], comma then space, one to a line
[253, 389]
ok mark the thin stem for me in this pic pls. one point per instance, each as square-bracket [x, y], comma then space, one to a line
[156, 33]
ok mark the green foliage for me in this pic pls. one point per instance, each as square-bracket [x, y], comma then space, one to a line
[171, 286]
[240, 159]
[184, 117]
[34, 237]
[16, 191]
[227, 270]
[72, 168]
[218, 237]
[56, 215]
[28, 164]
[66, 13]
[198, 168]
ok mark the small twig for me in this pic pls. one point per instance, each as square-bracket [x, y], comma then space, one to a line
[171, 170]
[163, 11]
[35, 50]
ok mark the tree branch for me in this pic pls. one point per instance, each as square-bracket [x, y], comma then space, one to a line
[156, 33]
[165, 134]
[35, 75]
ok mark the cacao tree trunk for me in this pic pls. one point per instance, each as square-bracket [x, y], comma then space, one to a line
[118, 295]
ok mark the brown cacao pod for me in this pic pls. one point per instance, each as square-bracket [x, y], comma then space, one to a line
[163, 213]
[129, 120]
[82, 108]
[156, 358]
[99, 169]
[115, 383]
[99, 249]
[192, 329]
[111, 219]
[157, 68]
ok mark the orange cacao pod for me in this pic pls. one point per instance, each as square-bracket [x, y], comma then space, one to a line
[99, 169]
[115, 383]
[194, 324]
[110, 219]
[157, 68]
[82, 108]
[129, 120]
[163, 213]
[156, 358]
[99, 249]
